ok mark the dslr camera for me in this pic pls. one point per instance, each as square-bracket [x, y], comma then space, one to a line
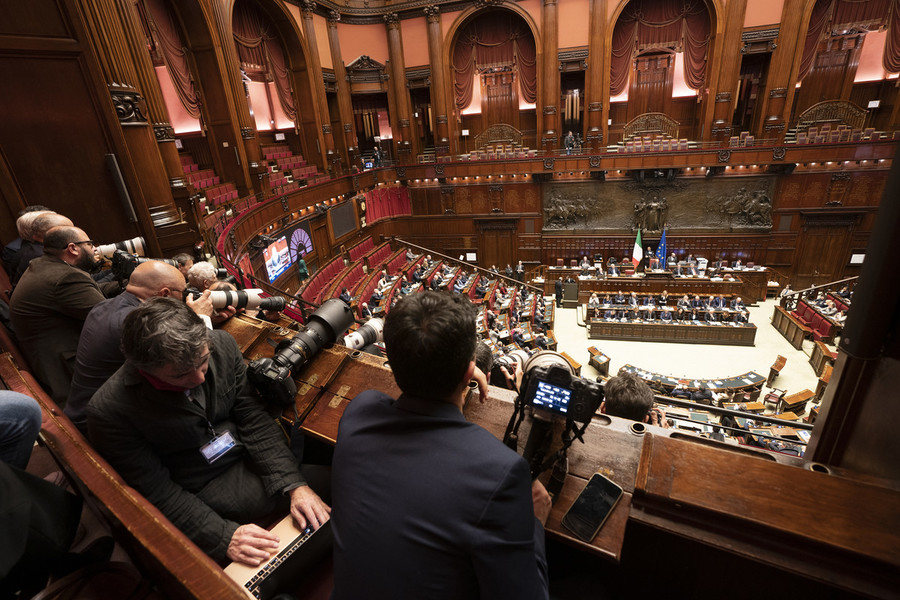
[124, 264]
[551, 385]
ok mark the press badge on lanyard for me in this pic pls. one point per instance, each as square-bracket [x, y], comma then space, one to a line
[217, 447]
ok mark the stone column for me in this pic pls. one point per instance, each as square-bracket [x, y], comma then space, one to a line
[550, 75]
[407, 144]
[331, 158]
[342, 88]
[438, 79]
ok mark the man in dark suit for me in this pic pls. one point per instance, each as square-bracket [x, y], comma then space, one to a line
[427, 505]
[99, 355]
[181, 424]
[50, 303]
[557, 289]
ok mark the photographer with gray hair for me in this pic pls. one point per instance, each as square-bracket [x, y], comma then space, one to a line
[201, 276]
[182, 425]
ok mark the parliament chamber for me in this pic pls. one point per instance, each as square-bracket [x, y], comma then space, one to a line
[498, 148]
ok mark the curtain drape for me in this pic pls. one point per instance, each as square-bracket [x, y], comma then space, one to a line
[682, 25]
[257, 43]
[494, 42]
[838, 15]
[174, 52]
[891, 59]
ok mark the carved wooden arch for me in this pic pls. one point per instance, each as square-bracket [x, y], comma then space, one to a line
[449, 42]
[500, 132]
[833, 111]
[651, 123]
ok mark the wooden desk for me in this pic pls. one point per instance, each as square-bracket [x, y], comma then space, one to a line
[743, 335]
[739, 383]
[824, 380]
[795, 403]
[599, 361]
[576, 366]
[775, 369]
[820, 357]
[793, 330]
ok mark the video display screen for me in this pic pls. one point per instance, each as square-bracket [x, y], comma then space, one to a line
[277, 258]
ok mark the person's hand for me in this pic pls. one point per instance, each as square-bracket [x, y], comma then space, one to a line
[251, 545]
[658, 417]
[308, 508]
[514, 378]
[202, 305]
[541, 499]
[223, 315]
[481, 379]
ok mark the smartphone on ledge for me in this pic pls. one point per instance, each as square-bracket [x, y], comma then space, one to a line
[591, 508]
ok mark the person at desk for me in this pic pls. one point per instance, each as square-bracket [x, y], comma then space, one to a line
[844, 292]
[663, 299]
[681, 315]
[376, 298]
[692, 266]
[426, 504]
[710, 303]
[364, 311]
[606, 300]
[672, 261]
[696, 302]
[619, 298]
[666, 316]
[738, 304]
[570, 279]
[435, 283]
[628, 396]
[183, 386]
[557, 289]
[684, 303]
[829, 309]
[741, 317]
[585, 263]
[345, 295]
[737, 264]
[612, 268]
[648, 300]
[695, 315]
[508, 271]
[719, 303]
[710, 317]
[593, 301]
[610, 314]
[786, 291]
[417, 274]
[840, 317]
[633, 300]
[702, 395]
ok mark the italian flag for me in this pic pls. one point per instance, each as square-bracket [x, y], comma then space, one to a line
[638, 253]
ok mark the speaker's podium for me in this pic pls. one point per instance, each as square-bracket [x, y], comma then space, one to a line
[570, 295]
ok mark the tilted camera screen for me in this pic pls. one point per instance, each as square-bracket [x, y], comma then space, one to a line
[551, 397]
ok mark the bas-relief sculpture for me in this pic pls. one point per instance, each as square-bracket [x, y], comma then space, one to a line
[698, 205]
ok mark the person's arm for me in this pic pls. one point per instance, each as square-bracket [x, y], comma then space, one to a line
[78, 294]
[134, 459]
[508, 554]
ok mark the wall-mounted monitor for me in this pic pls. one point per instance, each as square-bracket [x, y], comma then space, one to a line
[857, 259]
[277, 258]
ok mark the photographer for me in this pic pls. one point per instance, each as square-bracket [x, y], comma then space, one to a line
[401, 463]
[628, 396]
[201, 276]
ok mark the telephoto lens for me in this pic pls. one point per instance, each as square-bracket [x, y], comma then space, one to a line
[249, 298]
[370, 333]
[132, 246]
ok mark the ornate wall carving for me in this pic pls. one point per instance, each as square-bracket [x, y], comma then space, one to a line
[682, 206]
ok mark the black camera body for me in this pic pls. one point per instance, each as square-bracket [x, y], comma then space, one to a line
[553, 388]
[124, 264]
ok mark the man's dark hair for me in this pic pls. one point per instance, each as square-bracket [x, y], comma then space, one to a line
[430, 341]
[58, 239]
[484, 358]
[163, 331]
[628, 396]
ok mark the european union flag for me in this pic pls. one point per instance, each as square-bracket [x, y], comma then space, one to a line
[661, 251]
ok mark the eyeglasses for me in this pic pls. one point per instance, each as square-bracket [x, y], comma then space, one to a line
[91, 242]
